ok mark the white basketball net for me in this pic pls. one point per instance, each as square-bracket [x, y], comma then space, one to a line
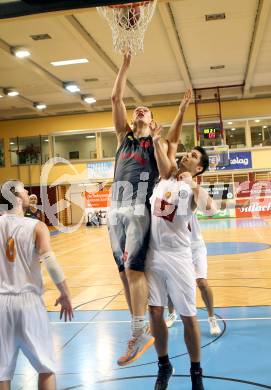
[129, 23]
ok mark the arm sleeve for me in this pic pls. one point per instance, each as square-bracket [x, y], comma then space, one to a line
[53, 268]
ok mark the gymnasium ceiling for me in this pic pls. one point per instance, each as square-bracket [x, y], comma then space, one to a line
[180, 49]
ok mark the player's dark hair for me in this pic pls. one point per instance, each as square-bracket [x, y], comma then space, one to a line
[204, 159]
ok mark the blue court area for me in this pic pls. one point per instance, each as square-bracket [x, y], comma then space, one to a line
[233, 248]
[229, 223]
[87, 350]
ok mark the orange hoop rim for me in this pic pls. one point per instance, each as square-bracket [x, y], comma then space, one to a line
[130, 5]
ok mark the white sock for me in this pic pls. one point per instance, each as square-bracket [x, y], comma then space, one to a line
[138, 324]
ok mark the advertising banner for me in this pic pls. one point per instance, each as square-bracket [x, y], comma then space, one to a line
[253, 207]
[219, 191]
[221, 214]
[97, 199]
[253, 189]
[101, 170]
[238, 160]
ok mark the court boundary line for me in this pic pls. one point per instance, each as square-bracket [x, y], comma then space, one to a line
[261, 385]
[128, 321]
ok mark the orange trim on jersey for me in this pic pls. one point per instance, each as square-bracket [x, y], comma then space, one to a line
[10, 249]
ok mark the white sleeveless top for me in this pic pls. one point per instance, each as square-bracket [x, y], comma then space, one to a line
[171, 210]
[19, 261]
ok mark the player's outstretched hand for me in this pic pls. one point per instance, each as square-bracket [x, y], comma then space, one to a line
[155, 131]
[127, 58]
[186, 100]
[66, 307]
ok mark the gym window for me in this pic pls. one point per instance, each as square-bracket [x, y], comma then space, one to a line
[80, 146]
[26, 150]
[236, 137]
[261, 135]
[109, 144]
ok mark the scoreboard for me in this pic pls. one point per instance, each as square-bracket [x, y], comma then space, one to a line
[210, 131]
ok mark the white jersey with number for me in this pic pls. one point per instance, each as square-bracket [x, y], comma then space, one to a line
[169, 267]
[171, 207]
[19, 261]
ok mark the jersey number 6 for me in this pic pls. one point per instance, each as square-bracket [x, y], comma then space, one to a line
[10, 250]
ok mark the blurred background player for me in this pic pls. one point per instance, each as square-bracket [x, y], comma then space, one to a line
[24, 243]
[32, 211]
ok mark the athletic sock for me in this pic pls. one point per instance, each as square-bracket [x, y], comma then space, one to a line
[195, 366]
[138, 324]
[164, 360]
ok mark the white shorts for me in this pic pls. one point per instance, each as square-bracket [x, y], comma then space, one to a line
[199, 256]
[24, 325]
[172, 274]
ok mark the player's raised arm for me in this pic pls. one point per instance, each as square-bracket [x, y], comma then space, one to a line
[48, 257]
[118, 106]
[161, 152]
[175, 130]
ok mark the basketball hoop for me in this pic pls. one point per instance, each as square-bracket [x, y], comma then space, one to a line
[128, 23]
[219, 156]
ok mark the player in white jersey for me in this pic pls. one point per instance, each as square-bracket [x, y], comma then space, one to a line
[24, 243]
[169, 266]
[199, 257]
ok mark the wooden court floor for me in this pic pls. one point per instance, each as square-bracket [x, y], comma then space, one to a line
[237, 279]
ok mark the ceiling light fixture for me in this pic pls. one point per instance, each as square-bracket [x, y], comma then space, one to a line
[90, 136]
[40, 37]
[11, 92]
[257, 120]
[233, 129]
[20, 52]
[40, 106]
[88, 99]
[46, 140]
[71, 87]
[229, 123]
[214, 67]
[1, 96]
[69, 62]
[264, 127]
[217, 16]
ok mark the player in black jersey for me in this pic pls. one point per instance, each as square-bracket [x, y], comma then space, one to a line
[129, 216]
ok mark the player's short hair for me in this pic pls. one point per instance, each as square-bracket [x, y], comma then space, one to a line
[204, 160]
[10, 186]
